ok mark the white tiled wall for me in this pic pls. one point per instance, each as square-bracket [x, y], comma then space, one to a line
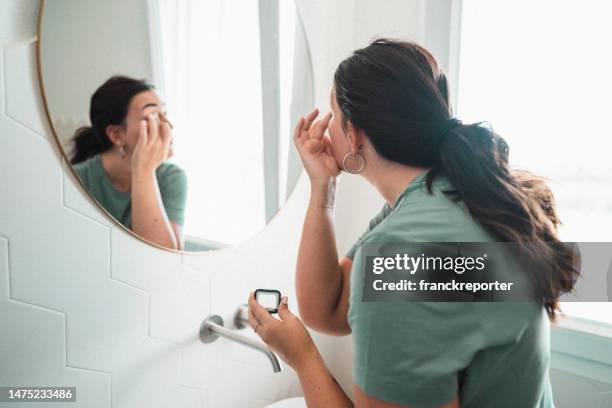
[84, 304]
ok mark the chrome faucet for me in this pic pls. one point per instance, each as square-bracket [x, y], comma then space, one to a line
[212, 327]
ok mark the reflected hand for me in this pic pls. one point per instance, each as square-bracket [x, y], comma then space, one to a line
[152, 148]
[315, 149]
[287, 337]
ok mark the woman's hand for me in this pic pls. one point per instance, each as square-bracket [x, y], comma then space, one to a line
[315, 149]
[287, 337]
[152, 148]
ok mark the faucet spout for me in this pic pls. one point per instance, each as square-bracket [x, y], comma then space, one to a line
[212, 328]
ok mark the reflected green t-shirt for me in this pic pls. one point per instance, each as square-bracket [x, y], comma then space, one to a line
[422, 354]
[171, 180]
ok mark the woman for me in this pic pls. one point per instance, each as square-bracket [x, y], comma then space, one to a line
[120, 159]
[443, 181]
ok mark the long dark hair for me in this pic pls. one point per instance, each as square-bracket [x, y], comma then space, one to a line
[109, 106]
[395, 92]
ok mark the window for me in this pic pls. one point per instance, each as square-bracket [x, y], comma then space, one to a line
[541, 73]
[232, 124]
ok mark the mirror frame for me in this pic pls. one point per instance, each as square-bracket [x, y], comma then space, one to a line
[66, 160]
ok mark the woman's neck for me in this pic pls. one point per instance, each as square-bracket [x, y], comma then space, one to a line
[390, 179]
[118, 170]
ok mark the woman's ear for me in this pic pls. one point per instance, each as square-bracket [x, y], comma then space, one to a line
[355, 137]
[113, 132]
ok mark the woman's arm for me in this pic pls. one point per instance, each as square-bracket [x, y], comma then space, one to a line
[321, 280]
[149, 219]
[320, 388]
[289, 338]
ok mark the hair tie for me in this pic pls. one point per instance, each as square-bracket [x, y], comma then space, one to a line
[449, 125]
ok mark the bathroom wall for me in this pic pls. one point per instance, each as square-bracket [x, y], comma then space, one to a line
[68, 37]
[84, 304]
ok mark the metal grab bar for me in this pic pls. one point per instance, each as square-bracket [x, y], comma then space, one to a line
[212, 328]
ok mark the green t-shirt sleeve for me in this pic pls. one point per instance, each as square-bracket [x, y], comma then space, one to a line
[173, 190]
[373, 223]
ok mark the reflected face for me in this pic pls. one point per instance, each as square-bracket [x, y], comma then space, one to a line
[141, 105]
[339, 138]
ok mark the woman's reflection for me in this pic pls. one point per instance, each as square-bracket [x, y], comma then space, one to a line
[120, 159]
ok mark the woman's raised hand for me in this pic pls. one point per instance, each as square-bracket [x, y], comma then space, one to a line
[152, 148]
[315, 149]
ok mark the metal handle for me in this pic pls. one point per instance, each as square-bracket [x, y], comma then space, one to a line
[212, 327]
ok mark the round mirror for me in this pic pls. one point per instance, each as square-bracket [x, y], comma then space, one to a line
[177, 116]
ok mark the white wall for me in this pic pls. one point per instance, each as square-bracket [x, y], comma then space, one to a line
[82, 303]
[109, 43]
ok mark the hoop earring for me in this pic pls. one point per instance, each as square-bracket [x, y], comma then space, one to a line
[122, 151]
[357, 155]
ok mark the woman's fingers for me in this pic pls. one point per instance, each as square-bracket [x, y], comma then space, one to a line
[311, 116]
[327, 145]
[298, 129]
[318, 129]
[143, 137]
[305, 126]
[153, 123]
[252, 320]
[260, 313]
[164, 119]
[166, 134]
[283, 309]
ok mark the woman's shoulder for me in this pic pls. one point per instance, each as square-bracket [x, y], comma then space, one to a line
[168, 167]
[87, 168]
[171, 176]
[170, 170]
[425, 217]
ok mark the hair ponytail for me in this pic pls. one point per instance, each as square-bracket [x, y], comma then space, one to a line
[514, 205]
[109, 106]
[87, 144]
[395, 92]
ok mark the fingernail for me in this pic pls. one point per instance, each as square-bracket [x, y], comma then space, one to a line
[284, 300]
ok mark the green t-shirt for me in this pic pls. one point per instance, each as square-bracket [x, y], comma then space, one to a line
[171, 180]
[423, 353]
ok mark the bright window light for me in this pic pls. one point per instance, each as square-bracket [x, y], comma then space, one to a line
[213, 90]
[541, 73]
